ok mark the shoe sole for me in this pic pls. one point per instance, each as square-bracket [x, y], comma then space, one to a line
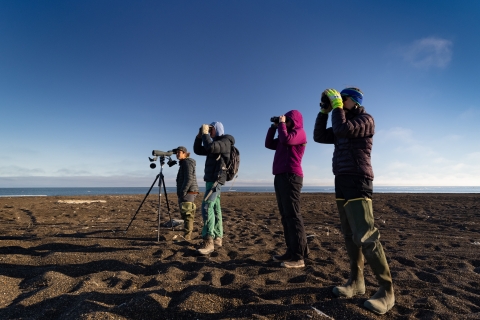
[205, 253]
[292, 267]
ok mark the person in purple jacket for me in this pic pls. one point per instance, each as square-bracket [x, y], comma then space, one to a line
[289, 148]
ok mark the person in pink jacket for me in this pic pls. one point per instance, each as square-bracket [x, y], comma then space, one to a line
[289, 148]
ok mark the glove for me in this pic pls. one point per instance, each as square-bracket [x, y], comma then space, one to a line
[325, 111]
[205, 127]
[335, 98]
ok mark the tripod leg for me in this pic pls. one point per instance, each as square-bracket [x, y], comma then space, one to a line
[166, 199]
[142, 202]
[159, 204]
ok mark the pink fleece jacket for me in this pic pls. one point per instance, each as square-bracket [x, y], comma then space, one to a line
[289, 146]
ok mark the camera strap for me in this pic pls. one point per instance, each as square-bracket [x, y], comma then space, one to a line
[211, 190]
[214, 186]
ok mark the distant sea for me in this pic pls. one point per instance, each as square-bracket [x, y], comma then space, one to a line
[26, 192]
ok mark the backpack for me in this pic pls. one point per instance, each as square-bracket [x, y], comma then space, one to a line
[232, 167]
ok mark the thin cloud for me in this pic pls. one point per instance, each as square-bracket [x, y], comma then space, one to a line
[396, 133]
[12, 171]
[429, 53]
[469, 114]
[72, 172]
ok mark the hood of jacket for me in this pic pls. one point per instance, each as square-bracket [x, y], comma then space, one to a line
[296, 117]
[218, 128]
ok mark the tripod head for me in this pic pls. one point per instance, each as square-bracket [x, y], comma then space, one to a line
[158, 155]
[161, 155]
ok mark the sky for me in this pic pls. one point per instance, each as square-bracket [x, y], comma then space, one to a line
[89, 88]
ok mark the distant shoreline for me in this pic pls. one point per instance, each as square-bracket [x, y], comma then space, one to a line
[98, 191]
[229, 193]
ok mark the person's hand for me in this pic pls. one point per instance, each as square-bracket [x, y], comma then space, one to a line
[282, 118]
[199, 134]
[335, 98]
[325, 105]
[205, 128]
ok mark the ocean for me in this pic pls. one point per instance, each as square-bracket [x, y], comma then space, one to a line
[25, 192]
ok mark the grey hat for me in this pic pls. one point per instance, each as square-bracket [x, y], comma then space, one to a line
[180, 149]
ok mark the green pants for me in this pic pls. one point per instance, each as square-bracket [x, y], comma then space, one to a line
[212, 213]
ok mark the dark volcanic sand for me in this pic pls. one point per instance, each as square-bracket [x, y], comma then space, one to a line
[73, 261]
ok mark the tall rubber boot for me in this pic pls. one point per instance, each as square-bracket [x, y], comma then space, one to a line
[384, 299]
[188, 215]
[356, 283]
[365, 234]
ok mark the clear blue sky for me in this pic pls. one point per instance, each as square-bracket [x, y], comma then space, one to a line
[89, 88]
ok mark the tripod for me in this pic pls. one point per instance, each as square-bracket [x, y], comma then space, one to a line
[161, 182]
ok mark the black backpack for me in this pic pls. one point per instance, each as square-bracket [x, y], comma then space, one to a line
[232, 167]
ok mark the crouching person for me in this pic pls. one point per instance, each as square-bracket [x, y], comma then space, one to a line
[187, 189]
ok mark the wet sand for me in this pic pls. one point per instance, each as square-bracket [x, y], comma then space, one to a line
[64, 260]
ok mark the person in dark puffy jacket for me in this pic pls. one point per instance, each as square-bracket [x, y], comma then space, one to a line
[187, 189]
[352, 134]
[216, 146]
[289, 148]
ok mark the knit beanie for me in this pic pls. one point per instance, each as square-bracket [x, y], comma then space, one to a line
[353, 93]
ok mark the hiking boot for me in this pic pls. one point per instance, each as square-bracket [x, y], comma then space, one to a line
[217, 242]
[293, 264]
[286, 257]
[206, 247]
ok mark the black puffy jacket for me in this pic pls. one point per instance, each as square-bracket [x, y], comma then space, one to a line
[217, 151]
[352, 133]
[186, 177]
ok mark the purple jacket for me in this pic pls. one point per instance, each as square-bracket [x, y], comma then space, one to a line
[289, 146]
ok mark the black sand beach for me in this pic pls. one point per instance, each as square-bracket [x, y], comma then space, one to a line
[73, 261]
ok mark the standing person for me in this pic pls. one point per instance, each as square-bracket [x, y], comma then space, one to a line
[187, 189]
[215, 145]
[289, 148]
[352, 134]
